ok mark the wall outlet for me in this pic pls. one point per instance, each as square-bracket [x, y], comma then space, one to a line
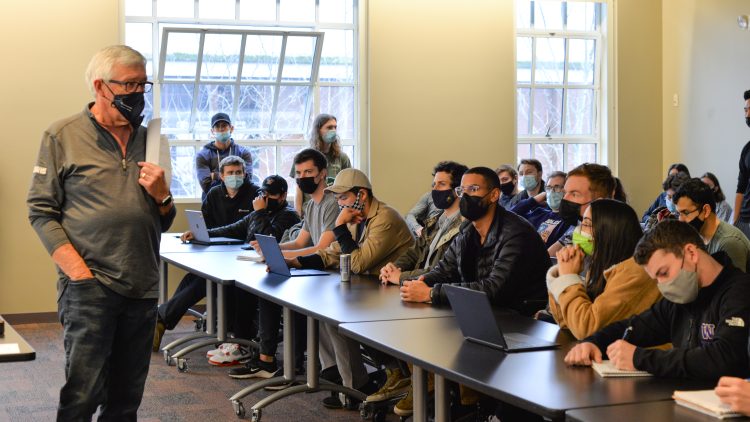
[675, 100]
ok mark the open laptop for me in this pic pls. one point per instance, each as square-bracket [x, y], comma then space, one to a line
[478, 323]
[200, 233]
[275, 259]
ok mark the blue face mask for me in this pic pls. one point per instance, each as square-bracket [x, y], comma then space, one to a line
[234, 181]
[223, 137]
[330, 136]
[528, 182]
[671, 206]
[554, 199]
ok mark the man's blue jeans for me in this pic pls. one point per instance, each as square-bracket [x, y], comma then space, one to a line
[108, 341]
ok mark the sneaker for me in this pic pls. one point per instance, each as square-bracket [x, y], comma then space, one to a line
[405, 406]
[158, 333]
[395, 385]
[331, 374]
[333, 401]
[220, 349]
[277, 387]
[229, 356]
[256, 368]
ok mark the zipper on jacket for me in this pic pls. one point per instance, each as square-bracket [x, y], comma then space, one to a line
[690, 332]
[124, 165]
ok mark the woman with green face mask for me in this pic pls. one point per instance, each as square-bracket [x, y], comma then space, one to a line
[613, 286]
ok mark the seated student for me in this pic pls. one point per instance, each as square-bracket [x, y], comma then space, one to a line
[670, 186]
[208, 158]
[224, 204]
[508, 186]
[695, 205]
[497, 252]
[272, 215]
[615, 287]
[584, 184]
[310, 168]
[422, 211]
[660, 200]
[373, 234]
[723, 209]
[704, 314]
[438, 231]
[530, 178]
[546, 221]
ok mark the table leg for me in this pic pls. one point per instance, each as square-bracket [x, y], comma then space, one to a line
[442, 412]
[419, 384]
[163, 281]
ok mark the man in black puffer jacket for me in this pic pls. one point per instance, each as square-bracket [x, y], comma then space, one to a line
[497, 252]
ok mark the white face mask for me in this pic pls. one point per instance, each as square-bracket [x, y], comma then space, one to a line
[682, 289]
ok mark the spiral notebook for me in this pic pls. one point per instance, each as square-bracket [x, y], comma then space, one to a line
[706, 402]
[607, 369]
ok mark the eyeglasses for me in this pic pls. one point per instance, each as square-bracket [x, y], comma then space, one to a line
[685, 213]
[460, 190]
[556, 189]
[134, 86]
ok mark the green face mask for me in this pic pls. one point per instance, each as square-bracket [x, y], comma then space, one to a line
[583, 240]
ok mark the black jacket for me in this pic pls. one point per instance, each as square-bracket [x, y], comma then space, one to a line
[709, 335]
[510, 267]
[268, 222]
[220, 210]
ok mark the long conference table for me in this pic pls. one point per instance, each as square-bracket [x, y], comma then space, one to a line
[425, 336]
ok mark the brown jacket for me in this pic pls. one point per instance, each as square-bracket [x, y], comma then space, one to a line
[384, 239]
[413, 260]
[628, 291]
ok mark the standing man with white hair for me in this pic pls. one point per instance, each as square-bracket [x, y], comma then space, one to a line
[99, 210]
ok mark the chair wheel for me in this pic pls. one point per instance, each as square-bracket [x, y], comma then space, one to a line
[182, 365]
[256, 415]
[239, 408]
[167, 357]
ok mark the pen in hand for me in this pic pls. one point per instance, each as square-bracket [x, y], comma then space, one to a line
[627, 331]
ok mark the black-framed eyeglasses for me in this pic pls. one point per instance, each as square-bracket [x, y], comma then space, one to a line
[686, 212]
[134, 86]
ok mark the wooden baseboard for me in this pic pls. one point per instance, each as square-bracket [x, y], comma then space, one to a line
[49, 317]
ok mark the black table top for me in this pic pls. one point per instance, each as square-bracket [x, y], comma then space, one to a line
[660, 411]
[537, 381]
[171, 243]
[26, 352]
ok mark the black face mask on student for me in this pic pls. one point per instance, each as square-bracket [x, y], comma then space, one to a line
[473, 208]
[507, 188]
[697, 223]
[570, 212]
[443, 198]
[747, 121]
[307, 185]
[130, 106]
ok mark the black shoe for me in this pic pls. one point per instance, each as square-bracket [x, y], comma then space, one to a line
[277, 387]
[256, 368]
[331, 374]
[333, 402]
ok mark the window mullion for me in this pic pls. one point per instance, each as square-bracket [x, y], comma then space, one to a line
[196, 87]
[277, 91]
[237, 84]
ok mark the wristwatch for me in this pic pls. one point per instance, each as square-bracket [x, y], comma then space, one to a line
[166, 201]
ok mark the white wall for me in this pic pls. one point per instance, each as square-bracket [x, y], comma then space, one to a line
[706, 62]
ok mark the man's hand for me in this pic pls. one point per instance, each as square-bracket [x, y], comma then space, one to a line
[418, 231]
[71, 263]
[415, 291]
[621, 355]
[349, 215]
[570, 260]
[188, 235]
[256, 247]
[541, 197]
[735, 392]
[293, 262]
[260, 202]
[390, 274]
[152, 179]
[583, 354]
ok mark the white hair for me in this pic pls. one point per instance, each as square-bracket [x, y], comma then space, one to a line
[100, 66]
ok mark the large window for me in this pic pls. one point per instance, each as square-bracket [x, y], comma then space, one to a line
[559, 90]
[272, 65]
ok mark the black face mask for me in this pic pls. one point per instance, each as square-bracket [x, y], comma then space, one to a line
[272, 204]
[443, 198]
[130, 106]
[307, 185]
[747, 121]
[473, 208]
[570, 212]
[507, 188]
[697, 223]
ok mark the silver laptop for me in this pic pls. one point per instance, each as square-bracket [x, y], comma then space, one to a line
[200, 233]
[478, 323]
[275, 259]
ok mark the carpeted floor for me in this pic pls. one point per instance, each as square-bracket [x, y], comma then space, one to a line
[29, 390]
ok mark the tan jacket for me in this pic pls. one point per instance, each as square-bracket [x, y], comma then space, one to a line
[412, 262]
[628, 291]
[385, 237]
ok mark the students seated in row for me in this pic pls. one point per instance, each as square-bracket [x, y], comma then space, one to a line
[530, 178]
[584, 184]
[508, 186]
[704, 315]
[310, 168]
[615, 287]
[723, 209]
[670, 186]
[224, 204]
[695, 205]
[661, 199]
[373, 234]
[422, 211]
[271, 215]
[546, 221]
